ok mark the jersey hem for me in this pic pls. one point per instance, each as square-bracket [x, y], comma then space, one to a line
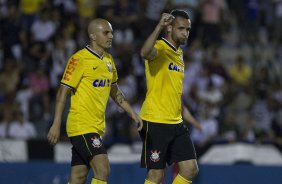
[162, 121]
[82, 133]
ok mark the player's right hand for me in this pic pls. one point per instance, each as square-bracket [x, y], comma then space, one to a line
[166, 19]
[53, 134]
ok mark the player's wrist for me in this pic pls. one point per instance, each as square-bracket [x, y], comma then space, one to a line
[159, 27]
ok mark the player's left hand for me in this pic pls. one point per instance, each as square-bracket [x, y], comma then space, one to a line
[137, 120]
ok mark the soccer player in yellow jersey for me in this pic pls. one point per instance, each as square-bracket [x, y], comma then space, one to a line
[166, 139]
[90, 77]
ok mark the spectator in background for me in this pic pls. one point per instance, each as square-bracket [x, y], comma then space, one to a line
[193, 58]
[210, 99]
[239, 106]
[23, 97]
[10, 77]
[43, 28]
[11, 34]
[152, 14]
[216, 66]
[228, 130]
[240, 73]
[21, 129]
[124, 16]
[59, 58]
[212, 17]
[205, 137]
[190, 6]
[68, 34]
[37, 55]
[262, 115]
[29, 10]
[67, 7]
[39, 83]
[86, 11]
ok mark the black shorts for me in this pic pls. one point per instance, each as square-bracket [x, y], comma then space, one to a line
[165, 144]
[84, 147]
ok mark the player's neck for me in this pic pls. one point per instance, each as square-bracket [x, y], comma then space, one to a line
[97, 49]
[170, 40]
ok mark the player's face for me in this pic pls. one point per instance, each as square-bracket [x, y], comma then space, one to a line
[105, 36]
[180, 30]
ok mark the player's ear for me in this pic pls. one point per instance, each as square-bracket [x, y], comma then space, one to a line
[92, 37]
[169, 28]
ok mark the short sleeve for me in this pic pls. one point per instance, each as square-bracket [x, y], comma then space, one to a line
[73, 72]
[159, 48]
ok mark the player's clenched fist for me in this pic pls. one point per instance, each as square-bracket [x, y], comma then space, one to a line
[166, 19]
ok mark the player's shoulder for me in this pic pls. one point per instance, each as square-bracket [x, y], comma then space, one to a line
[81, 54]
[78, 56]
[78, 53]
[160, 44]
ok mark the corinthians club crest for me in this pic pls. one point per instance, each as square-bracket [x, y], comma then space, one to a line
[110, 67]
[155, 156]
[96, 143]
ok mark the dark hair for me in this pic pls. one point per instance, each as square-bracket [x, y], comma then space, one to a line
[180, 13]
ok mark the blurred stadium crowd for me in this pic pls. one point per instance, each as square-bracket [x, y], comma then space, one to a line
[233, 74]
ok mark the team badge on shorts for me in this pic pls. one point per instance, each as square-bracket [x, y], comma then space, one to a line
[110, 68]
[155, 156]
[96, 143]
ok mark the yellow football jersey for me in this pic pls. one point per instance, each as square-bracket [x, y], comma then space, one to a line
[164, 76]
[90, 76]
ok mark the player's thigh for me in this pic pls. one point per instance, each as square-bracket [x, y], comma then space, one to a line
[100, 164]
[182, 147]
[85, 147]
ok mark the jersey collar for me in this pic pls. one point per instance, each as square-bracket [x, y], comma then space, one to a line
[93, 52]
[169, 44]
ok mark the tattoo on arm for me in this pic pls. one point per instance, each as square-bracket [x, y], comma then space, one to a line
[119, 97]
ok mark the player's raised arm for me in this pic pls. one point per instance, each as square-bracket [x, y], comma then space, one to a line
[148, 51]
[118, 97]
[54, 132]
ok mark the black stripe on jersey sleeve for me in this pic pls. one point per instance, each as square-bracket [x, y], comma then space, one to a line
[68, 86]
